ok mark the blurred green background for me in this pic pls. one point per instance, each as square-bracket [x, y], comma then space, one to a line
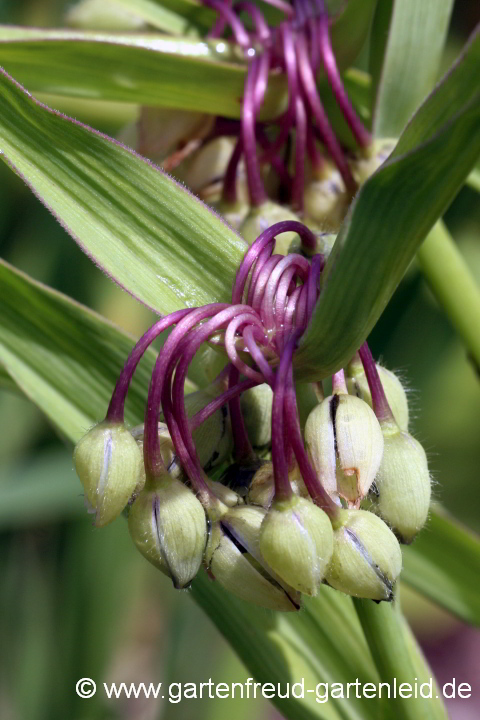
[75, 601]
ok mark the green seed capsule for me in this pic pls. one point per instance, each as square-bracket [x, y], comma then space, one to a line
[257, 413]
[261, 218]
[345, 443]
[262, 486]
[168, 525]
[402, 486]
[101, 15]
[109, 464]
[366, 558]
[370, 159]
[324, 242]
[397, 398]
[296, 541]
[326, 200]
[231, 558]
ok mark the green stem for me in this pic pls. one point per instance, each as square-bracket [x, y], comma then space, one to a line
[452, 284]
[399, 659]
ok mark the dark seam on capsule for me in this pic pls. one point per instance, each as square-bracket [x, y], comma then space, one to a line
[366, 555]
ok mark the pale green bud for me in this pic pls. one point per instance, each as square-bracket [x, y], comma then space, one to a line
[213, 438]
[370, 159]
[257, 414]
[345, 443]
[109, 464]
[228, 496]
[262, 486]
[102, 15]
[206, 165]
[169, 527]
[326, 201]
[233, 212]
[324, 242]
[296, 541]
[232, 559]
[366, 559]
[402, 486]
[262, 217]
[357, 384]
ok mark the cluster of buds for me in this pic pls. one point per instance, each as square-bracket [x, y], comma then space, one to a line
[310, 492]
[257, 173]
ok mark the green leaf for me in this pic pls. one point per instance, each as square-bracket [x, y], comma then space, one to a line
[146, 231]
[411, 35]
[64, 357]
[150, 69]
[97, 14]
[443, 564]
[389, 219]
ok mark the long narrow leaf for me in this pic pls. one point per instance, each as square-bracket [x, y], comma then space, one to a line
[415, 35]
[442, 564]
[146, 231]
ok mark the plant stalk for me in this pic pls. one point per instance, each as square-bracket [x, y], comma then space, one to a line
[399, 659]
[453, 285]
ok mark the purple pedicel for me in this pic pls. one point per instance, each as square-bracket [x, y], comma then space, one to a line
[220, 24]
[298, 185]
[288, 119]
[116, 408]
[316, 267]
[240, 34]
[275, 161]
[316, 157]
[280, 441]
[260, 262]
[154, 464]
[258, 356]
[281, 5]
[254, 179]
[290, 312]
[243, 450]
[261, 28]
[219, 401]
[328, 136]
[230, 344]
[315, 488]
[197, 337]
[262, 281]
[302, 267]
[264, 239]
[358, 129]
[229, 192]
[285, 288]
[330, 64]
[379, 399]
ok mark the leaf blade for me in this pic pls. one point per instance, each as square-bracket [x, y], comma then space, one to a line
[142, 228]
[442, 565]
[412, 53]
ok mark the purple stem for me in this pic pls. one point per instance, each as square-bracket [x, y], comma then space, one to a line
[281, 5]
[229, 192]
[261, 260]
[258, 356]
[328, 136]
[315, 488]
[116, 408]
[264, 239]
[379, 399]
[361, 135]
[283, 489]
[230, 344]
[261, 28]
[243, 450]
[220, 24]
[154, 464]
[221, 400]
[298, 187]
[255, 184]
[316, 157]
[275, 160]
[240, 34]
[316, 267]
